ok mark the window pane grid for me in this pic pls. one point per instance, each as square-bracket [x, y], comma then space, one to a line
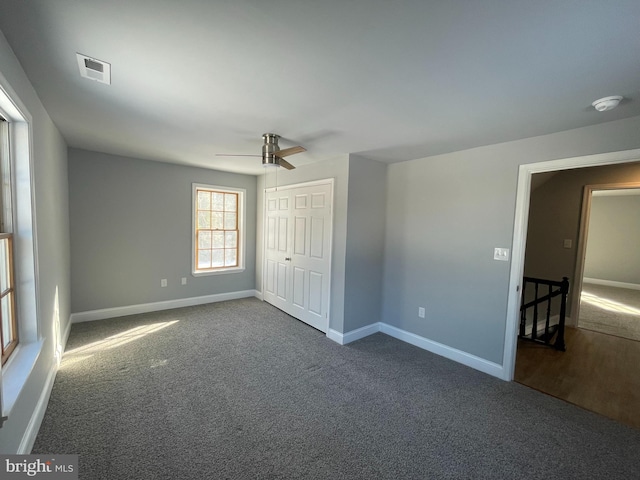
[8, 321]
[216, 229]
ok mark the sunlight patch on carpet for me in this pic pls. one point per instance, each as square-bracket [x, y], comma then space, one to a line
[608, 304]
[77, 355]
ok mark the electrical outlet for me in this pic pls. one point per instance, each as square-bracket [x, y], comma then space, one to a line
[421, 312]
[567, 243]
[183, 281]
[163, 282]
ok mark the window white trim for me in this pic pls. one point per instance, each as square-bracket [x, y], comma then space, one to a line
[242, 212]
[16, 371]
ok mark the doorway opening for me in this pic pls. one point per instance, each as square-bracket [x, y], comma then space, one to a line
[550, 241]
[608, 261]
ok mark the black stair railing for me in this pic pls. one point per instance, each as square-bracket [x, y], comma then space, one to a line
[544, 291]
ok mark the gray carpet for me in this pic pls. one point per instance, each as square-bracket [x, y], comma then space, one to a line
[611, 310]
[241, 390]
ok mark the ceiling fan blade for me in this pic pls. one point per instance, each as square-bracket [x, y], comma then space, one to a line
[235, 155]
[290, 151]
[283, 163]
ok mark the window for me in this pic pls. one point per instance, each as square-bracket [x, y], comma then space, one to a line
[16, 189]
[7, 304]
[8, 322]
[218, 229]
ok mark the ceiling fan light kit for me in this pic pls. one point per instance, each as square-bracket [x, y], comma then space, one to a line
[607, 103]
[272, 156]
[269, 148]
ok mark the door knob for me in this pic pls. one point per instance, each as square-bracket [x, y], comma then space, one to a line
[288, 259]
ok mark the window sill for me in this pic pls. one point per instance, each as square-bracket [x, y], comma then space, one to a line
[16, 372]
[218, 272]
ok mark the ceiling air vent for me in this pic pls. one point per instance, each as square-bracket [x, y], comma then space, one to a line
[94, 69]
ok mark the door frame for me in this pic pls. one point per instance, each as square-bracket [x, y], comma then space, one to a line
[583, 236]
[521, 222]
[324, 181]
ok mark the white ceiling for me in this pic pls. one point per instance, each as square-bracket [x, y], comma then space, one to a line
[389, 80]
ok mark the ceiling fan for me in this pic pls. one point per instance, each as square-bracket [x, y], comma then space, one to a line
[271, 153]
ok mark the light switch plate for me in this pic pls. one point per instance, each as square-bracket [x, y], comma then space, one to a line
[501, 254]
[567, 243]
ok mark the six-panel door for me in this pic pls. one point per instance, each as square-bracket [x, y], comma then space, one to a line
[297, 252]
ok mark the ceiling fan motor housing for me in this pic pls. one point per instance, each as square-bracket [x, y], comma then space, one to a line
[269, 149]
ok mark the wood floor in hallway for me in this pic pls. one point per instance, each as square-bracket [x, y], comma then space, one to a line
[598, 372]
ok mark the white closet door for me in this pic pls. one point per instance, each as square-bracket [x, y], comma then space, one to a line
[298, 252]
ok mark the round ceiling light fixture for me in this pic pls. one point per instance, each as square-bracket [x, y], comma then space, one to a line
[607, 103]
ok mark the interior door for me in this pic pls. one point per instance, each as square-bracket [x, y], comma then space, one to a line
[298, 251]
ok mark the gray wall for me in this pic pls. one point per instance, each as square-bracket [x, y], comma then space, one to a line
[50, 205]
[365, 242]
[613, 245]
[554, 215]
[131, 226]
[445, 215]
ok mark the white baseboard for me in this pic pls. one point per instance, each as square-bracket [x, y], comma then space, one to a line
[611, 283]
[335, 336]
[31, 432]
[445, 351]
[157, 306]
[454, 354]
[65, 334]
[353, 335]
